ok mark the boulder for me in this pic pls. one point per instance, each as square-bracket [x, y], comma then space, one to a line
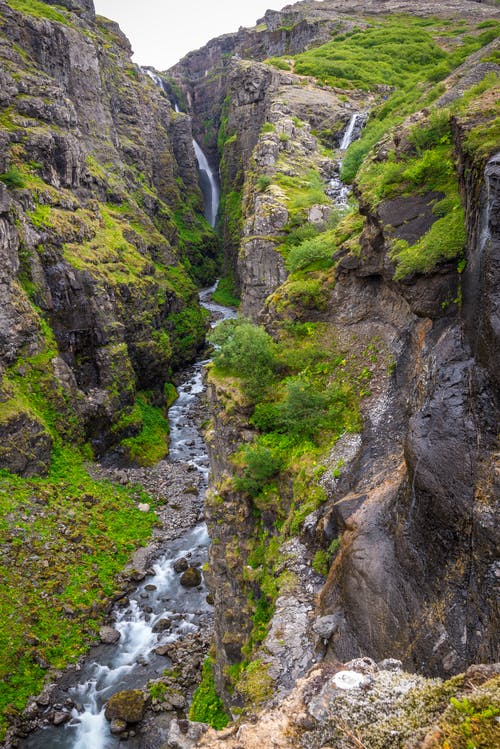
[181, 564]
[128, 706]
[191, 577]
[109, 635]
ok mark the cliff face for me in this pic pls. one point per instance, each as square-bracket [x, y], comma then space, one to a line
[408, 500]
[100, 217]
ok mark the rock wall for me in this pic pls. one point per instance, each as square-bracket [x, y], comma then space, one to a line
[100, 214]
[414, 502]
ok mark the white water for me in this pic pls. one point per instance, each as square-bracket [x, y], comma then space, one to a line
[132, 661]
[336, 188]
[347, 137]
[211, 189]
[208, 180]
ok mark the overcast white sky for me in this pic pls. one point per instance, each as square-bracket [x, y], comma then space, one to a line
[161, 32]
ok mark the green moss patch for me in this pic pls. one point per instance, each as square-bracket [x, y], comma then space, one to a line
[63, 540]
[151, 443]
[40, 10]
[207, 707]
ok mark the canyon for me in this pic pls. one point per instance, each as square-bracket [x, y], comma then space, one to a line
[351, 409]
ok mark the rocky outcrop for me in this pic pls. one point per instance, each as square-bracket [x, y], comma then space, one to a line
[362, 703]
[100, 209]
[412, 495]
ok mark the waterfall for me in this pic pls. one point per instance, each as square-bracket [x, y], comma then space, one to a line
[347, 137]
[336, 188]
[208, 180]
[208, 184]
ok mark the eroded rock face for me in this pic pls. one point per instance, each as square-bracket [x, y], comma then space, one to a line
[100, 279]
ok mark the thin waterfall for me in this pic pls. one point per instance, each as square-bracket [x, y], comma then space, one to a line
[347, 137]
[208, 184]
[208, 181]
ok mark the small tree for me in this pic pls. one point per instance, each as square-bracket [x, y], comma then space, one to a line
[245, 350]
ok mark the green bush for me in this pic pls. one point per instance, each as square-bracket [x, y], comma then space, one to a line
[13, 178]
[435, 132]
[261, 464]
[263, 182]
[207, 706]
[245, 350]
[317, 250]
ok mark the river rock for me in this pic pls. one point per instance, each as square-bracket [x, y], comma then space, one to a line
[191, 577]
[181, 564]
[128, 706]
[162, 624]
[60, 717]
[117, 726]
[109, 635]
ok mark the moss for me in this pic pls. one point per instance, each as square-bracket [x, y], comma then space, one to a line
[206, 706]
[65, 536]
[151, 443]
[255, 683]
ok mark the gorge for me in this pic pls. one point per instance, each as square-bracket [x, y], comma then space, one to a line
[351, 408]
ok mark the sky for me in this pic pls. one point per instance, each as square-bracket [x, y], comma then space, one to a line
[161, 32]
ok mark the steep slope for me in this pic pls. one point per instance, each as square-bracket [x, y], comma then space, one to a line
[102, 245]
[354, 452]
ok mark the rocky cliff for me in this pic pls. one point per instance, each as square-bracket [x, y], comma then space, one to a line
[100, 228]
[380, 541]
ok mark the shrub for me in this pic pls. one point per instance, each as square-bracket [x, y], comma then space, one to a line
[435, 132]
[318, 249]
[261, 465]
[245, 350]
[13, 178]
[263, 182]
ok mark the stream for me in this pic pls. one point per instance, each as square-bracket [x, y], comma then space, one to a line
[159, 611]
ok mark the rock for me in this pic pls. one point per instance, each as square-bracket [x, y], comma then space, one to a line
[143, 507]
[60, 717]
[325, 626]
[191, 577]
[181, 564]
[128, 706]
[161, 625]
[108, 635]
[184, 734]
[117, 726]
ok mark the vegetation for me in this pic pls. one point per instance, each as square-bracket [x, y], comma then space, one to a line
[64, 539]
[40, 10]
[151, 443]
[226, 293]
[13, 178]
[207, 707]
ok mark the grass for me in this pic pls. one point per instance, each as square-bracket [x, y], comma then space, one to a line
[64, 539]
[225, 293]
[151, 444]
[40, 10]
[206, 706]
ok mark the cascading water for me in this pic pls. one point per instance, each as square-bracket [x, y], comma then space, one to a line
[208, 180]
[133, 660]
[208, 184]
[336, 188]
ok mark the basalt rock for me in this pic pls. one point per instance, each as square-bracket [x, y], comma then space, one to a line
[128, 706]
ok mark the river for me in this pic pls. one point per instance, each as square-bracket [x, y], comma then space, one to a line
[158, 599]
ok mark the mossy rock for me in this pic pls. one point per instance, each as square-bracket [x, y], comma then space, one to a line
[129, 706]
[191, 577]
[25, 445]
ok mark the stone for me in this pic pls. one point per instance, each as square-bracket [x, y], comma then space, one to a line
[129, 706]
[117, 726]
[191, 577]
[109, 635]
[60, 717]
[161, 625]
[143, 507]
[325, 626]
[181, 564]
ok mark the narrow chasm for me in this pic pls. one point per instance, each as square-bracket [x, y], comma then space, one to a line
[287, 537]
